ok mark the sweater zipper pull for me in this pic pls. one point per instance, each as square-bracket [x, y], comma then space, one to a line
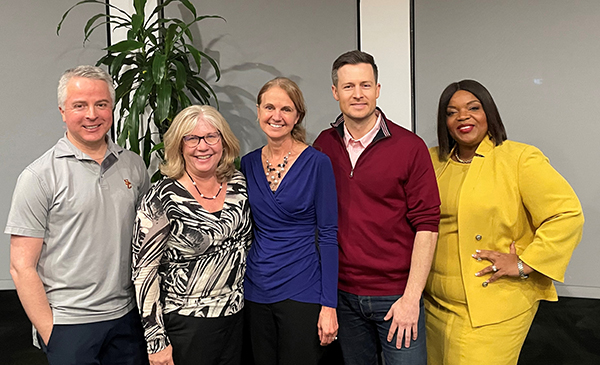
[352, 172]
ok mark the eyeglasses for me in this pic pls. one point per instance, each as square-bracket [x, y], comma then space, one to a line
[192, 140]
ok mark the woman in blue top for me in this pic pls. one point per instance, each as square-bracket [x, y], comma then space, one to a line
[291, 277]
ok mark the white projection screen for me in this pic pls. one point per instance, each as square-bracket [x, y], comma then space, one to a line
[539, 59]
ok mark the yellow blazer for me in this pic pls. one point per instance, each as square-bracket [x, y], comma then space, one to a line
[512, 193]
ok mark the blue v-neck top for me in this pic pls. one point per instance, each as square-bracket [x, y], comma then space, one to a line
[294, 254]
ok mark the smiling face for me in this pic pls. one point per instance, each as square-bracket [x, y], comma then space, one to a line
[87, 112]
[202, 160]
[277, 114]
[466, 119]
[357, 92]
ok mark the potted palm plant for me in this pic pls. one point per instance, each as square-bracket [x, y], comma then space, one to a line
[156, 70]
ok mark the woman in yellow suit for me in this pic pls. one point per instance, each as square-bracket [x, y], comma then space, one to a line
[509, 224]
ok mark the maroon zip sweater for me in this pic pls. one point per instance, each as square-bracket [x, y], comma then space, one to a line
[388, 196]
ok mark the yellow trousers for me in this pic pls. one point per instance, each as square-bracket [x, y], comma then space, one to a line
[451, 340]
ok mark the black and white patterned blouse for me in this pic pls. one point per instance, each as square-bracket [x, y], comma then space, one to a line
[187, 260]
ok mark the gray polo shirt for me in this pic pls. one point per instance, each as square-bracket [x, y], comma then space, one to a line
[84, 212]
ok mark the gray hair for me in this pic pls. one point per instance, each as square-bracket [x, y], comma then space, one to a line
[88, 72]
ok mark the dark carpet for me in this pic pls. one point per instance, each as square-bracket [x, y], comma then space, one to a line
[566, 332]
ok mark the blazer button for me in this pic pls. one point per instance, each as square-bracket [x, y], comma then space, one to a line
[478, 237]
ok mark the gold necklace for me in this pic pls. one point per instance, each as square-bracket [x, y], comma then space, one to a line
[458, 159]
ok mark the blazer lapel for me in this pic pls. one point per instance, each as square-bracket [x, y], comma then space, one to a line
[483, 153]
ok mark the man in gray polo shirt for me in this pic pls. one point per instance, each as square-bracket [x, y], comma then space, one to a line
[71, 224]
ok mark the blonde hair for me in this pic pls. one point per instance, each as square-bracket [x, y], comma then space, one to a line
[184, 123]
[295, 94]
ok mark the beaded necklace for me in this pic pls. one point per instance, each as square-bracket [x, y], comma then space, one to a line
[274, 173]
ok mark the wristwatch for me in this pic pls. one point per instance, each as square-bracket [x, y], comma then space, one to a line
[521, 272]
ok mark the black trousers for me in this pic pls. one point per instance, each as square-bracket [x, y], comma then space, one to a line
[205, 341]
[284, 333]
[115, 342]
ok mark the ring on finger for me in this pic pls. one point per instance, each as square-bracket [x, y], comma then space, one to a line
[494, 268]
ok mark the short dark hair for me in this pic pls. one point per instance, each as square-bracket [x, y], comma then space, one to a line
[352, 58]
[496, 129]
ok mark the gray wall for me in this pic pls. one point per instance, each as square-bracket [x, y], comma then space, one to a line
[32, 59]
[263, 39]
[539, 59]
[260, 40]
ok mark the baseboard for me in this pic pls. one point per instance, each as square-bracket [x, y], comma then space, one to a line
[578, 291]
[7, 284]
[562, 289]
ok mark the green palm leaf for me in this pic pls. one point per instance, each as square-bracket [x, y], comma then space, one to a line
[153, 70]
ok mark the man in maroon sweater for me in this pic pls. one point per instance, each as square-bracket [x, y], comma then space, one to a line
[388, 205]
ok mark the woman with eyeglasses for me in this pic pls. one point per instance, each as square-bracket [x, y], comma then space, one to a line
[191, 236]
[291, 281]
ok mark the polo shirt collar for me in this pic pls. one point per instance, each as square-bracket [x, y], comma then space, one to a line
[65, 148]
